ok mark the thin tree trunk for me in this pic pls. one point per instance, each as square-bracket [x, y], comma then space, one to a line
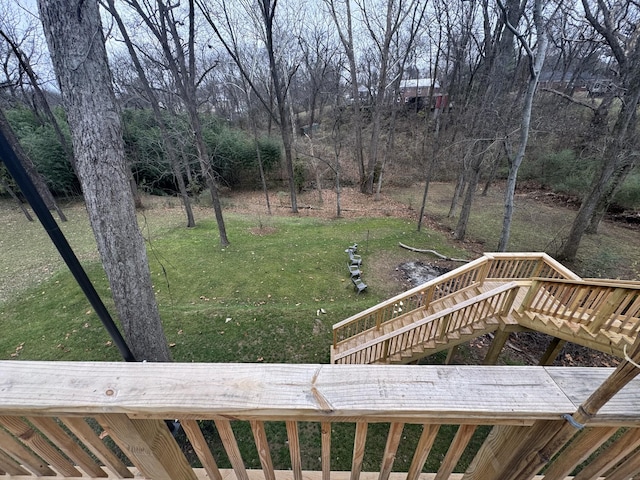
[157, 113]
[536, 68]
[460, 184]
[465, 211]
[30, 168]
[616, 182]
[76, 43]
[21, 206]
[347, 42]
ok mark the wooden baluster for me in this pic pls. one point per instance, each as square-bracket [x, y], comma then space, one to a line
[149, 445]
[358, 450]
[25, 457]
[623, 312]
[444, 326]
[607, 308]
[623, 446]
[423, 448]
[326, 450]
[456, 449]
[231, 447]
[385, 350]
[578, 451]
[199, 444]
[389, 456]
[8, 466]
[85, 433]
[68, 445]
[39, 445]
[627, 469]
[294, 450]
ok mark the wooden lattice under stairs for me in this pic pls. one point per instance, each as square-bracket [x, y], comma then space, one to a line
[498, 293]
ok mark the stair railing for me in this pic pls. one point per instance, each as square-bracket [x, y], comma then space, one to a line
[491, 266]
[612, 306]
[435, 327]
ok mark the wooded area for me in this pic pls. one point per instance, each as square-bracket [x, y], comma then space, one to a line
[208, 90]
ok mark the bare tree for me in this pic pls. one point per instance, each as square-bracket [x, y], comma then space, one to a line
[489, 108]
[180, 56]
[536, 60]
[618, 29]
[340, 11]
[262, 16]
[74, 33]
[13, 43]
[157, 113]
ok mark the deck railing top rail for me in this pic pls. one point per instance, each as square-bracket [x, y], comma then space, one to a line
[304, 391]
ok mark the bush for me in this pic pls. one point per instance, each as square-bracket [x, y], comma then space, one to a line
[40, 142]
[562, 172]
[628, 197]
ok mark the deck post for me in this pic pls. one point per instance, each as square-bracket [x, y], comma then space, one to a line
[451, 353]
[496, 347]
[149, 445]
[534, 452]
[553, 350]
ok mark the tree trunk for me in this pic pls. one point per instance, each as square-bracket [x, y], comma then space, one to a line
[460, 184]
[21, 206]
[465, 211]
[74, 34]
[346, 37]
[267, 8]
[514, 165]
[615, 157]
[157, 113]
[619, 176]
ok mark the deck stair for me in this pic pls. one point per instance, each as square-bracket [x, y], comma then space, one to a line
[504, 292]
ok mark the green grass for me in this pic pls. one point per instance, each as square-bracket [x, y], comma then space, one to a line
[256, 300]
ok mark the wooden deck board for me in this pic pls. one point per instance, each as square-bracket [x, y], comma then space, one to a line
[304, 392]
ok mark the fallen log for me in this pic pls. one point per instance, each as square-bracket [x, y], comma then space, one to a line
[432, 252]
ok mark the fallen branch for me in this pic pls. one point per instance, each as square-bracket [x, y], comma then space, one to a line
[432, 252]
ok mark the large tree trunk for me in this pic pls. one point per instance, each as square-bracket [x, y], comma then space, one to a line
[74, 35]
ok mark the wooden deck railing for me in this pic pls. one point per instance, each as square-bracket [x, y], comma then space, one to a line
[614, 307]
[64, 419]
[434, 327]
[491, 266]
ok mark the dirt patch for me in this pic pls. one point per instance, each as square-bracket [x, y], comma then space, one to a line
[353, 204]
[416, 273]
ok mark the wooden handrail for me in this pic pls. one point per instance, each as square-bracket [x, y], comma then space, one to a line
[499, 296]
[42, 401]
[595, 304]
[491, 266]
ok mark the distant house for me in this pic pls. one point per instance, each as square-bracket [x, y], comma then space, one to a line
[418, 90]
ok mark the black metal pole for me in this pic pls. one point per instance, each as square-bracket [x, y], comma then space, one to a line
[23, 180]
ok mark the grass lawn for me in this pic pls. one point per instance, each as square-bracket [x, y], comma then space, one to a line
[256, 300]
